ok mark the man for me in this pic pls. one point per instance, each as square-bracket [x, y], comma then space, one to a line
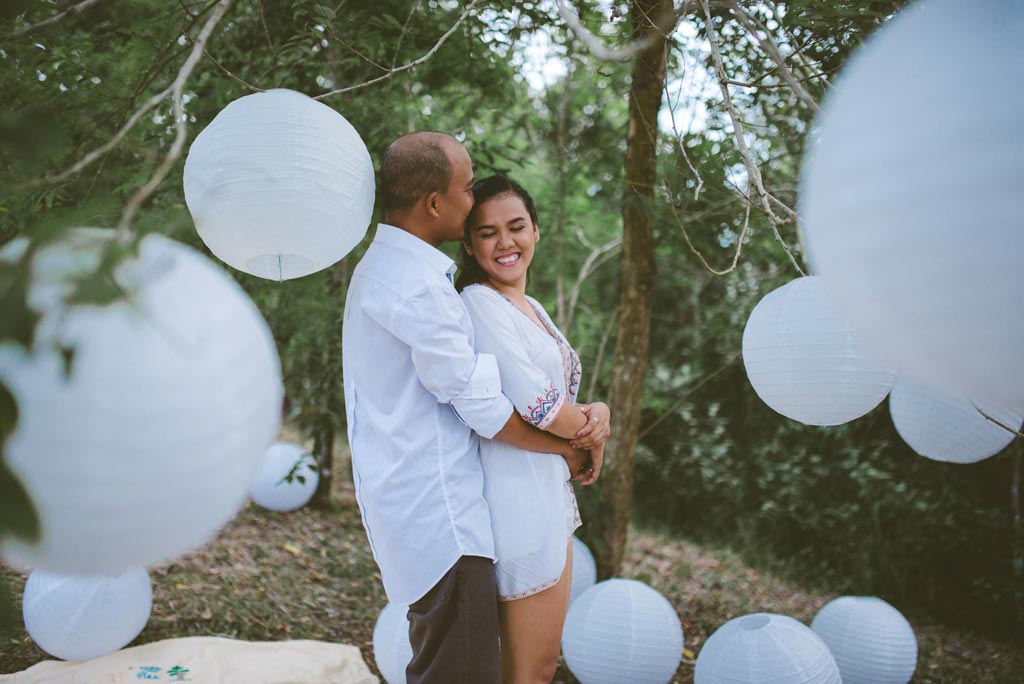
[415, 392]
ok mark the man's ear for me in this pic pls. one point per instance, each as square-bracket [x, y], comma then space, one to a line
[433, 204]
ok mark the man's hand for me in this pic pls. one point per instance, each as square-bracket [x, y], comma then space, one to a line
[595, 433]
[593, 471]
[578, 461]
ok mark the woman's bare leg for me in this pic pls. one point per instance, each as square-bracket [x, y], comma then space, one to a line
[531, 631]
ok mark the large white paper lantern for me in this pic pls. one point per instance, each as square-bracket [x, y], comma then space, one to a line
[804, 361]
[911, 196]
[622, 632]
[948, 428]
[584, 569]
[391, 648]
[279, 185]
[764, 648]
[147, 449]
[269, 488]
[81, 617]
[870, 640]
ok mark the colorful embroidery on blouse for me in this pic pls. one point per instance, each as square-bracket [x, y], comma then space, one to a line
[573, 371]
[542, 411]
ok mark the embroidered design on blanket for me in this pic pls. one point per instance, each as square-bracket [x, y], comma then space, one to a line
[542, 411]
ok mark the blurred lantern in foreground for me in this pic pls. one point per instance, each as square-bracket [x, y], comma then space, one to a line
[911, 196]
[140, 444]
[870, 640]
[948, 428]
[584, 569]
[270, 488]
[81, 617]
[765, 649]
[279, 185]
[391, 648]
[622, 632]
[804, 362]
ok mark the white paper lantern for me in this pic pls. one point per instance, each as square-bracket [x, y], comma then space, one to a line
[764, 648]
[804, 361]
[148, 448]
[279, 185]
[584, 569]
[391, 648]
[622, 632]
[911, 196]
[269, 488]
[81, 617]
[947, 428]
[870, 640]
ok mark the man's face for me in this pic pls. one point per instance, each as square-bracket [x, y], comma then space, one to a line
[459, 196]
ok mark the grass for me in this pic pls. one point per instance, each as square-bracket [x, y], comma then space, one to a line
[310, 575]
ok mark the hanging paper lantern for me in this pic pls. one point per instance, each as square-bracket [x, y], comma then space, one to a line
[764, 648]
[622, 632]
[391, 648]
[81, 617]
[948, 428]
[584, 569]
[269, 488]
[804, 361]
[279, 185]
[143, 447]
[911, 196]
[870, 640]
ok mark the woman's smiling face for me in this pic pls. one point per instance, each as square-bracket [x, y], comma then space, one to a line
[502, 238]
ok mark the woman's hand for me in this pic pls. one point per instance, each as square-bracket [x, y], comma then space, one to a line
[593, 470]
[595, 433]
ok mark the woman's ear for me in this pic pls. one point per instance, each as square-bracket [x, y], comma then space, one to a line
[536, 233]
[466, 246]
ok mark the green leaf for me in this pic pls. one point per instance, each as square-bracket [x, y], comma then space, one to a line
[18, 322]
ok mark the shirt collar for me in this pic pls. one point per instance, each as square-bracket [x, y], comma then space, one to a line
[404, 240]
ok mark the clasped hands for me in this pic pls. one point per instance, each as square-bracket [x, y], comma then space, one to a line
[587, 455]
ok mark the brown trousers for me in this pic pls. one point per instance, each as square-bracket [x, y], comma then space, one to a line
[454, 628]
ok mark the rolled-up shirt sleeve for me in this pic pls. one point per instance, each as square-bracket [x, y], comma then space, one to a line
[431, 323]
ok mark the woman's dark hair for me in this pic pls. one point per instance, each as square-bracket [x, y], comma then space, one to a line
[484, 190]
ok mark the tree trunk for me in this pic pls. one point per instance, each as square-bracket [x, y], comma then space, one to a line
[330, 410]
[637, 280]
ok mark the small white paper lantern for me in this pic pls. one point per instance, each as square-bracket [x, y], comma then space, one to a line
[946, 428]
[148, 448]
[870, 640]
[269, 488]
[391, 648]
[764, 648]
[911, 196]
[584, 569]
[804, 361]
[622, 632]
[81, 617]
[279, 185]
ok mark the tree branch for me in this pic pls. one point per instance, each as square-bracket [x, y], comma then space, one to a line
[686, 395]
[663, 27]
[689, 243]
[70, 11]
[177, 89]
[593, 261]
[753, 171]
[996, 421]
[768, 45]
[391, 72]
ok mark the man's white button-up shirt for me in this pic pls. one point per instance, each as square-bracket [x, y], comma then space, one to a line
[415, 392]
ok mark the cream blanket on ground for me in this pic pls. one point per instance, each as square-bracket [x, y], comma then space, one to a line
[210, 660]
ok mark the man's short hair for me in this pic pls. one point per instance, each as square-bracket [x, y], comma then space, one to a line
[414, 165]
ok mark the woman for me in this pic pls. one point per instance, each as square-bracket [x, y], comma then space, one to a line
[533, 508]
